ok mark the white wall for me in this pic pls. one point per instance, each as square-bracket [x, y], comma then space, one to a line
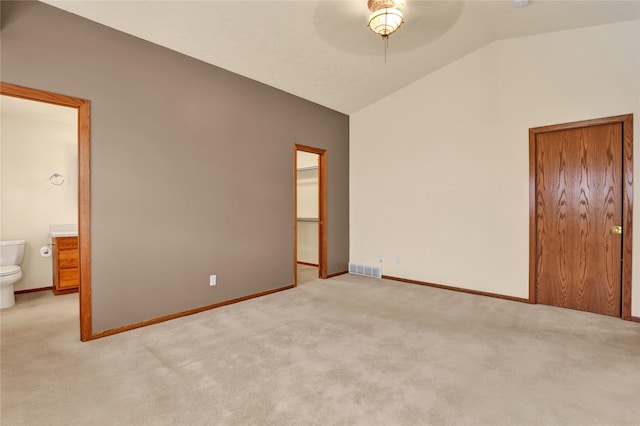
[307, 185]
[445, 186]
[37, 140]
[305, 160]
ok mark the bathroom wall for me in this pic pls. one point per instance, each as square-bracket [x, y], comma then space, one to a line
[191, 166]
[36, 140]
[308, 194]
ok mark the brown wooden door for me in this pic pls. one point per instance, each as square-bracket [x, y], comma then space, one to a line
[578, 202]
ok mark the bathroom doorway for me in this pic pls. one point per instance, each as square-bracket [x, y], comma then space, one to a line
[83, 188]
[310, 214]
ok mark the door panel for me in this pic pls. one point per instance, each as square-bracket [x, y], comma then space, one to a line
[578, 201]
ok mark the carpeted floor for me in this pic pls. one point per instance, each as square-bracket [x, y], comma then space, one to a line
[307, 274]
[345, 351]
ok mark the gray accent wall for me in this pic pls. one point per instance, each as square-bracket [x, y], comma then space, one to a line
[191, 166]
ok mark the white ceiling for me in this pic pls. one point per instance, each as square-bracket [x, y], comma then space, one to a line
[323, 51]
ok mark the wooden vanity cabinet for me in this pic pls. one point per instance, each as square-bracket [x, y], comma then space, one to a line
[66, 272]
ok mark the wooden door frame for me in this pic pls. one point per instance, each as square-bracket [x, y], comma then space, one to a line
[84, 189]
[322, 209]
[627, 201]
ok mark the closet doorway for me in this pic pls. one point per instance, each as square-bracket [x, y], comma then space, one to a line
[309, 214]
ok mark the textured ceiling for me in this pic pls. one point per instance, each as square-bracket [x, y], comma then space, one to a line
[322, 50]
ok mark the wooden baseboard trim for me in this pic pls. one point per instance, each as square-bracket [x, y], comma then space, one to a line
[32, 290]
[634, 319]
[64, 291]
[308, 264]
[183, 314]
[337, 274]
[462, 290]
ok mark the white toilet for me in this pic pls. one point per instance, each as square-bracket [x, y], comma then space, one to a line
[11, 254]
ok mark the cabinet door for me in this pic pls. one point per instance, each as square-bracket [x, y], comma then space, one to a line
[68, 259]
[67, 242]
[69, 278]
[66, 274]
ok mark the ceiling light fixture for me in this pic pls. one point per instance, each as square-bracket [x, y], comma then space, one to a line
[386, 16]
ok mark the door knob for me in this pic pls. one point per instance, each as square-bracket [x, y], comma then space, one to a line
[616, 229]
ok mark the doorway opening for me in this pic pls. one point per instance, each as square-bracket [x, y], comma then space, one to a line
[83, 193]
[580, 215]
[310, 236]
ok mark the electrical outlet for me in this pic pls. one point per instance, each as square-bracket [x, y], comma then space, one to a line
[380, 258]
[212, 280]
[398, 260]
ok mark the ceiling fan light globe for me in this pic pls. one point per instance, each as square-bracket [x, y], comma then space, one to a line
[385, 21]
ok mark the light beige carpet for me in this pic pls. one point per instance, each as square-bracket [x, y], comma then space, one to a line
[345, 351]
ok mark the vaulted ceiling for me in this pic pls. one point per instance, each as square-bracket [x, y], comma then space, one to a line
[323, 51]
